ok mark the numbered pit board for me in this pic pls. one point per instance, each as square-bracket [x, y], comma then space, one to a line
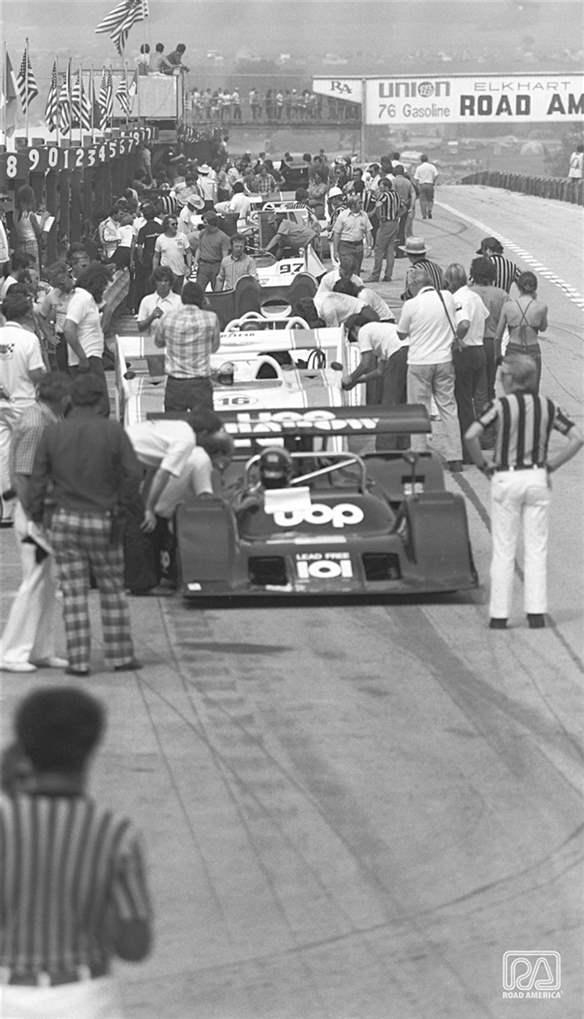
[44, 158]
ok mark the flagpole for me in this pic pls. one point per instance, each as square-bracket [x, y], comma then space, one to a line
[5, 91]
[92, 101]
[70, 101]
[26, 117]
[58, 113]
[127, 94]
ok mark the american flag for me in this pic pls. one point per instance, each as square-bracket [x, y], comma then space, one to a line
[123, 97]
[25, 82]
[119, 21]
[65, 101]
[52, 103]
[106, 97]
[80, 103]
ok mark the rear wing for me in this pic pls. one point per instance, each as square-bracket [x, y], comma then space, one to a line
[323, 421]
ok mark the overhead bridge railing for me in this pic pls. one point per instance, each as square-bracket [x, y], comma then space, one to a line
[560, 188]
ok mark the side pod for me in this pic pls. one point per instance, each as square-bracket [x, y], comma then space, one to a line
[206, 543]
[439, 541]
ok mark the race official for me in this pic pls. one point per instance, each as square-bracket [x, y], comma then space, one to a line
[416, 251]
[428, 321]
[506, 272]
[86, 468]
[520, 485]
[387, 209]
[72, 883]
[189, 334]
[28, 641]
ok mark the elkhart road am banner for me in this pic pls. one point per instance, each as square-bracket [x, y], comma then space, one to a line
[463, 99]
[475, 99]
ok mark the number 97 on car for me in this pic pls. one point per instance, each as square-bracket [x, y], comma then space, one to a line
[324, 566]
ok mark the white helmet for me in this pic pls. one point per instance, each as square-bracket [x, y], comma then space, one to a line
[334, 192]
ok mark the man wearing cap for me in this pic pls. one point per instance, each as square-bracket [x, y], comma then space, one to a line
[334, 202]
[207, 182]
[190, 219]
[506, 272]
[235, 265]
[416, 251]
[425, 179]
[213, 247]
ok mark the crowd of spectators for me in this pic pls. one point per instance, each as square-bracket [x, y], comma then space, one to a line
[273, 106]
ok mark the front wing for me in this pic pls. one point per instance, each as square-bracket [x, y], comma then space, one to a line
[428, 550]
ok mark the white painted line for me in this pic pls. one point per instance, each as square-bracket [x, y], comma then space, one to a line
[526, 256]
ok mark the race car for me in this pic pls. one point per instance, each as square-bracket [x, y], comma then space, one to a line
[249, 295]
[345, 524]
[296, 368]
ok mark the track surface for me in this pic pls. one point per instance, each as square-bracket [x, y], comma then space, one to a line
[352, 811]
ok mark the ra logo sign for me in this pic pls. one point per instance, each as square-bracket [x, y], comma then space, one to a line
[342, 88]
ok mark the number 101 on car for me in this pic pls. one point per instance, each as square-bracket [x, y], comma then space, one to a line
[324, 566]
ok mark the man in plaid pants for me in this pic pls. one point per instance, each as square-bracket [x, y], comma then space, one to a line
[94, 472]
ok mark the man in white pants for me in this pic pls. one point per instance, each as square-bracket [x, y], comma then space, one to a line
[21, 367]
[520, 488]
[428, 320]
[28, 641]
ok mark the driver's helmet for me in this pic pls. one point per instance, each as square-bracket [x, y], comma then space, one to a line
[275, 467]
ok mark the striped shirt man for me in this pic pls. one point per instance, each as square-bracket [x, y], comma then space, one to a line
[506, 271]
[66, 863]
[190, 336]
[388, 206]
[434, 272]
[524, 425]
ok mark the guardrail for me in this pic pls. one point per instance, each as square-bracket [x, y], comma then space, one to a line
[542, 187]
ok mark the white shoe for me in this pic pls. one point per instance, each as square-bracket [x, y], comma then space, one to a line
[17, 667]
[51, 662]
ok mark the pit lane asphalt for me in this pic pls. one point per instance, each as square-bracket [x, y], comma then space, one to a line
[353, 810]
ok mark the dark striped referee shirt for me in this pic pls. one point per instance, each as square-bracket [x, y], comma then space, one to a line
[506, 272]
[524, 424]
[435, 275]
[64, 863]
[388, 205]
